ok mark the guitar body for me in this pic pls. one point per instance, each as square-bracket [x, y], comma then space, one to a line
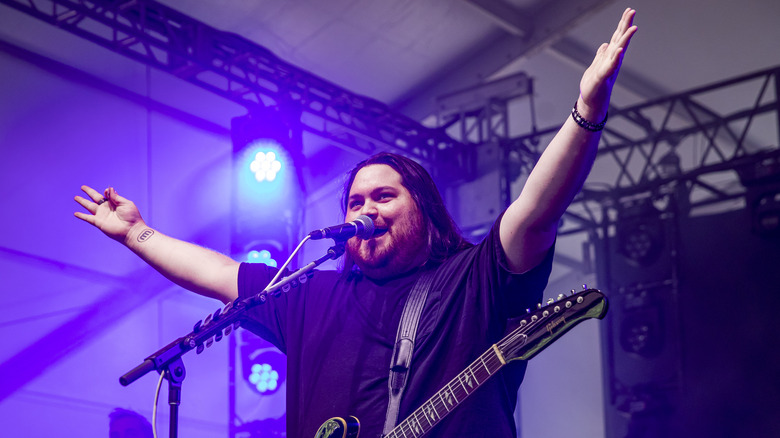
[338, 427]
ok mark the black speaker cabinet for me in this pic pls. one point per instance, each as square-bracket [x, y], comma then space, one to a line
[692, 340]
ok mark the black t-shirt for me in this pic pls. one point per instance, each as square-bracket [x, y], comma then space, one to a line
[338, 333]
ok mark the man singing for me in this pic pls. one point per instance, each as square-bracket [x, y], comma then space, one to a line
[339, 328]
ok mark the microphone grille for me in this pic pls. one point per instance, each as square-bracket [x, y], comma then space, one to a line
[365, 227]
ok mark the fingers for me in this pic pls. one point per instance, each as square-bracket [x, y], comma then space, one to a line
[91, 203]
[111, 194]
[620, 39]
[88, 218]
[625, 29]
[96, 197]
[88, 204]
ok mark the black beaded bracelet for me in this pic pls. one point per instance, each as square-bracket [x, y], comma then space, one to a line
[590, 126]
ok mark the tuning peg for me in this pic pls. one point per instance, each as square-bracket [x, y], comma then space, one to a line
[573, 291]
[560, 297]
[550, 301]
[538, 305]
[584, 286]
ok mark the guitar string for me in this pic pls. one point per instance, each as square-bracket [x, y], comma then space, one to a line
[436, 401]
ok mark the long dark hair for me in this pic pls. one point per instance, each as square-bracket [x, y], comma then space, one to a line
[444, 237]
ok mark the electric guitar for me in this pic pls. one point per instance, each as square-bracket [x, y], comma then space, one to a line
[528, 335]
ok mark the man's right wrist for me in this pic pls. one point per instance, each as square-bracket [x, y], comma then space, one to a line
[139, 234]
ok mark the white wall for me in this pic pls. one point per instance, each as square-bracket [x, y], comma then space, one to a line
[78, 309]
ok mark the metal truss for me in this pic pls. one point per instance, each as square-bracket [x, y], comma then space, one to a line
[478, 117]
[241, 71]
[709, 142]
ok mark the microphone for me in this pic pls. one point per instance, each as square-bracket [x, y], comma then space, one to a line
[362, 227]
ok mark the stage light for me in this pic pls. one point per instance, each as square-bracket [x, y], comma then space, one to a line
[263, 366]
[263, 174]
[265, 166]
[640, 234]
[262, 256]
[766, 214]
[265, 370]
[264, 377]
[267, 251]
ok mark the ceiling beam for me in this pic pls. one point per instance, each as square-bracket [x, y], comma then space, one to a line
[550, 23]
[505, 16]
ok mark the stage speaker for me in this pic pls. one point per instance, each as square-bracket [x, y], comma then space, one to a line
[638, 272]
[692, 340]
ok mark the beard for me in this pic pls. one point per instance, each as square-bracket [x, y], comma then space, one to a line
[402, 247]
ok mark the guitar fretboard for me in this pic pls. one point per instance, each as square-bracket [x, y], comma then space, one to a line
[532, 334]
[438, 406]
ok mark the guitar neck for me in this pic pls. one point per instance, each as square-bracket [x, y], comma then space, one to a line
[453, 393]
[528, 335]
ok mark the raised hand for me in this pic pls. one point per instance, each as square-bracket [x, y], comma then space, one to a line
[112, 214]
[598, 80]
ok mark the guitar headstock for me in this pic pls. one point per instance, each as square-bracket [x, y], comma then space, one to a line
[531, 333]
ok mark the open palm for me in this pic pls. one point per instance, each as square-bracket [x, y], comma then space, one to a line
[598, 80]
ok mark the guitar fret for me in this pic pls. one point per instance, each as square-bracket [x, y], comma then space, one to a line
[474, 376]
[441, 397]
[432, 413]
[419, 428]
[447, 397]
[452, 394]
[511, 347]
[424, 412]
[461, 383]
[482, 359]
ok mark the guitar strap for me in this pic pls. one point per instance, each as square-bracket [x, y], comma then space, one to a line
[404, 346]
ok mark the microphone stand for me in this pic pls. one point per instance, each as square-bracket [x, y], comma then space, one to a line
[167, 360]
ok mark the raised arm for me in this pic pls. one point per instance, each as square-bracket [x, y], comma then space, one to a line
[529, 225]
[192, 267]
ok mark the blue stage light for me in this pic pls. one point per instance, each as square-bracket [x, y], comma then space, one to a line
[263, 366]
[265, 166]
[261, 256]
[264, 176]
[264, 377]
